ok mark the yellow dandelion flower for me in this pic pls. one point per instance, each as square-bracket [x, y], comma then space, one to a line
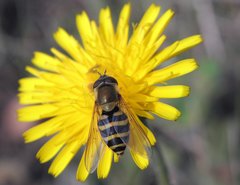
[95, 95]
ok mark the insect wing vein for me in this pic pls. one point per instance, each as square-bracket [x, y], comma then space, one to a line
[94, 147]
[138, 140]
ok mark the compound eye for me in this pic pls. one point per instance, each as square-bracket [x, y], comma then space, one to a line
[96, 84]
[111, 80]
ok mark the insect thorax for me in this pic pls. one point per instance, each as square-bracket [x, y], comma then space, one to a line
[106, 93]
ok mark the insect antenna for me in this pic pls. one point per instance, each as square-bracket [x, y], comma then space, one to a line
[95, 70]
[98, 72]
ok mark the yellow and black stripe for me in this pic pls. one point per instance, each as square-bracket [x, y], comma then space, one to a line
[114, 129]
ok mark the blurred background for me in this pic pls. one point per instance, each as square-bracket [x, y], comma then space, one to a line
[201, 148]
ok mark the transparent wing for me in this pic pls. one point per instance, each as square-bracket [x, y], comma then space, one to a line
[94, 147]
[138, 140]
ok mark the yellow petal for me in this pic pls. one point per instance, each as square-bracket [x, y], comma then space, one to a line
[72, 76]
[172, 71]
[100, 49]
[49, 77]
[123, 27]
[145, 24]
[151, 50]
[158, 59]
[186, 44]
[105, 163]
[70, 64]
[144, 65]
[106, 26]
[158, 27]
[84, 28]
[68, 134]
[136, 49]
[64, 158]
[36, 112]
[45, 61]
[163, 110]
[82, 172]
[90, 38]
[68, 43]
[121, 37]
[174, 49]
[33, 84]
[140, 161]
[143, 98]
[43, 129]
[173, 91]
[144, 114]
[35, 97]
[54, 94]
[66, 122]
[149, 134]
[115, 157]
[50, 148]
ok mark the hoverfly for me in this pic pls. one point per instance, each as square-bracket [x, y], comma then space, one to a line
[113, 125]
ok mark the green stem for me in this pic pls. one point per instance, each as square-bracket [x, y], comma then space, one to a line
[164, 177]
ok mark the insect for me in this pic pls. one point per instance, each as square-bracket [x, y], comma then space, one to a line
[113, 125]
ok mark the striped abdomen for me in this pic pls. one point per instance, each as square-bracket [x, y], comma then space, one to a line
[114, 129]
